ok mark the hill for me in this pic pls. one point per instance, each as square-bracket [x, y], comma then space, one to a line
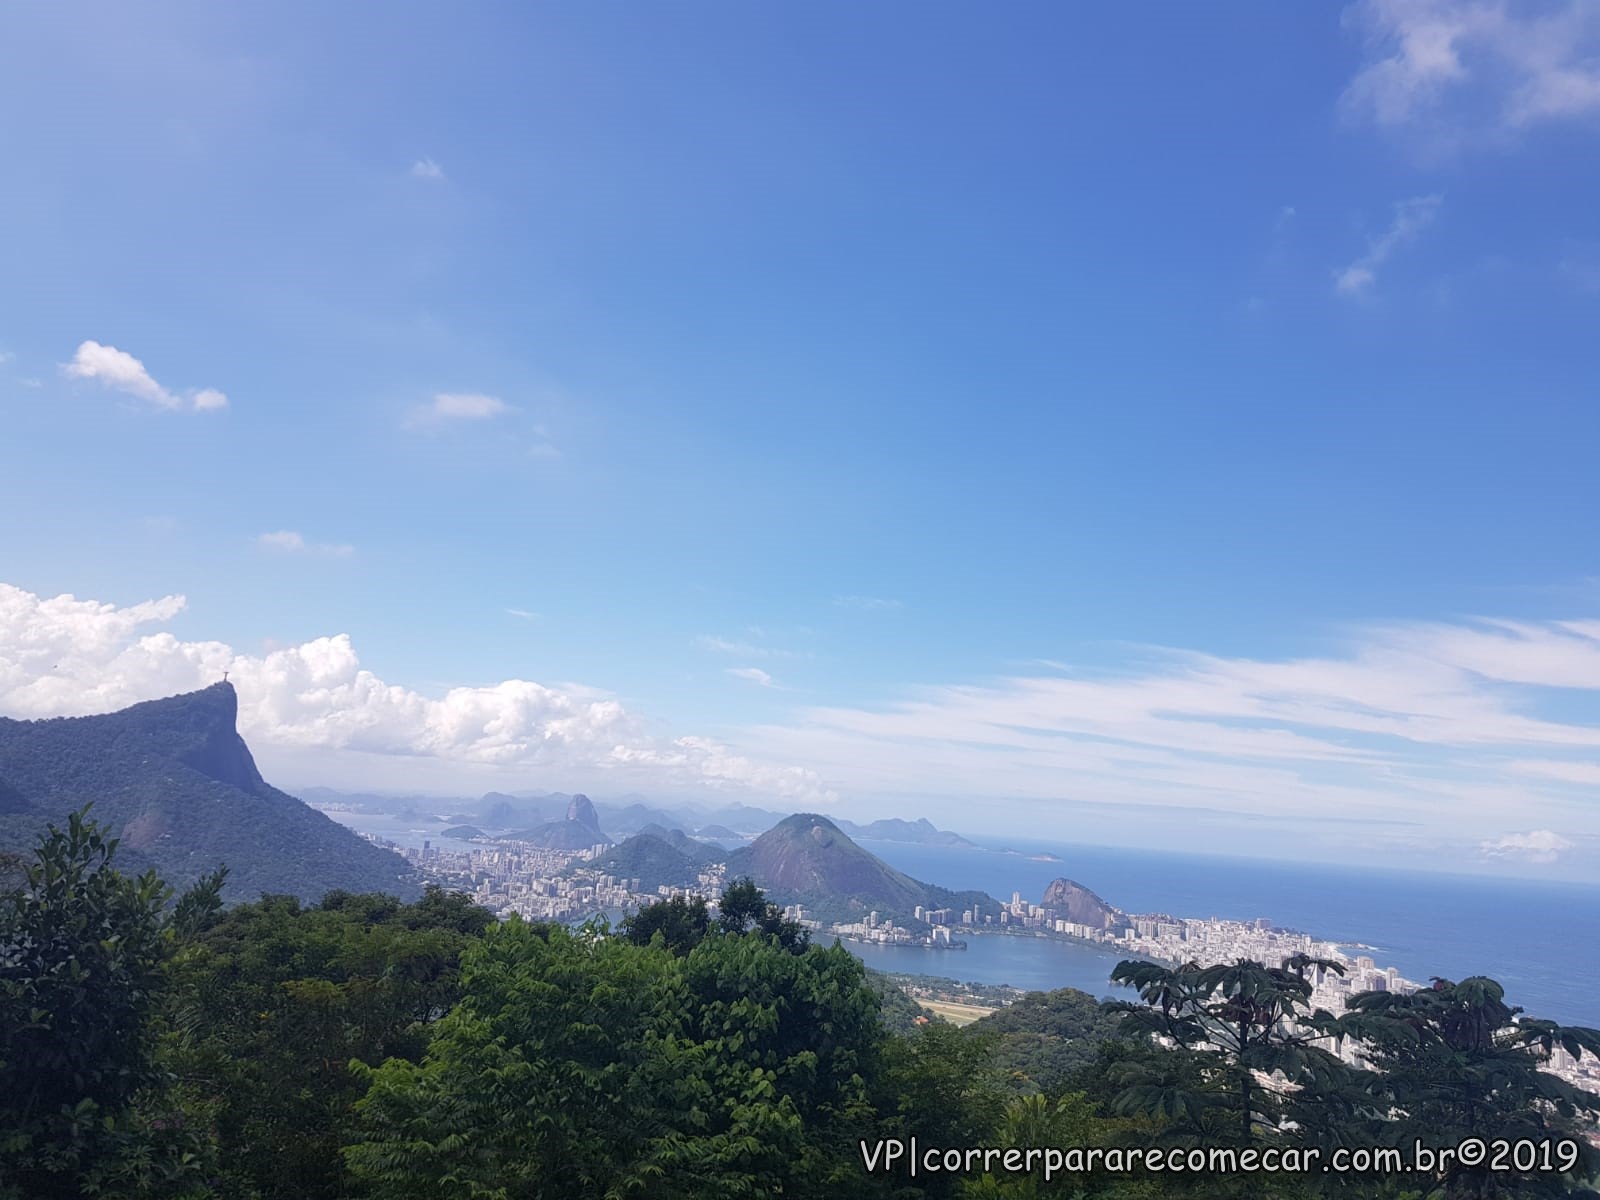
[807, 859]
[1065, 900]
[656, 861]
[578, 831]
[921, 832]
[175, 781]
[1041, 1039]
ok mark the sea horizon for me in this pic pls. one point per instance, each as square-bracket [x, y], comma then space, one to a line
[1425, 923]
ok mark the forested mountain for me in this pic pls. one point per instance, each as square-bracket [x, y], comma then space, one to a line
[656, 859]
[806, 859]
[175, 781]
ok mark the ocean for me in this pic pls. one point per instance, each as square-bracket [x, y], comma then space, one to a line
[1540, 940]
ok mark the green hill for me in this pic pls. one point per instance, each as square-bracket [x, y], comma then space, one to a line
[806, 859]
[174, 780]
[656, 861]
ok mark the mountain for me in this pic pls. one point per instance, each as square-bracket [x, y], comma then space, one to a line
[717, 833]
[921, 831]
[657, 860]
[740, 817]
[1065, 900]
[174, 780]
[631, 818]
[806, 859]
[579, 831]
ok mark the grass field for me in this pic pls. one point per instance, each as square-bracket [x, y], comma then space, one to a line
[956, 1014]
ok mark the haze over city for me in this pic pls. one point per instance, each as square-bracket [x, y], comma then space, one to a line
[829, 409]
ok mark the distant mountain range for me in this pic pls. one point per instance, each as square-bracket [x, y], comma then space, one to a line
[578, 830]
[175, 782]
[920, 831]
[505, 815]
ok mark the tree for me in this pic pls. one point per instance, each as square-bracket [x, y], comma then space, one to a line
[81, 951]
[1230, 1025]
[745, 907]
[1453, 1062]
[270, 1002]
[682, 923]
[579, 1064]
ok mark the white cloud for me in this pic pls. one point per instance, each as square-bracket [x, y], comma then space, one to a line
[289, 542]
[5, 357]
[742, 649]
[522, 614]
[1537, 846]
[753, 674]
[1586, 774]
[1459, 70]
[447, 407]
[866, 603]
[122, 372]
[65, 656]
[1431, 724]
[426, 168]
[1411, 217]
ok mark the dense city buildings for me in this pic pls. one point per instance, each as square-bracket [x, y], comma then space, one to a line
[536, 883]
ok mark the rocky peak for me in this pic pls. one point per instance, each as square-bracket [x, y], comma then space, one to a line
[582, 811]
[1067, 900]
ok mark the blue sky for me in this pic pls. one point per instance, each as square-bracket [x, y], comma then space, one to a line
[1046, 421]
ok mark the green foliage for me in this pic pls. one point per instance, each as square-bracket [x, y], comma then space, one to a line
[81, 948]
[1227, 1023]
[744, 907]
[270, 1003]
[1039, 1041]
[581, 1065]
[1452, 1062]
[899, 1012]
[682, 923]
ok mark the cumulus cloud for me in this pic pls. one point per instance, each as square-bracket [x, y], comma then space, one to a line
[65, 656]
[1411, 217]
[122, 372]
[1455, 70]
[753, 674]
[1537, 846]
[426, 168]
[287, 541]
[450, 407]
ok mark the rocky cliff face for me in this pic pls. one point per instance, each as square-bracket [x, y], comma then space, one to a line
[1066, 900]
[174, 780]
[579, 831]
[582, 811]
